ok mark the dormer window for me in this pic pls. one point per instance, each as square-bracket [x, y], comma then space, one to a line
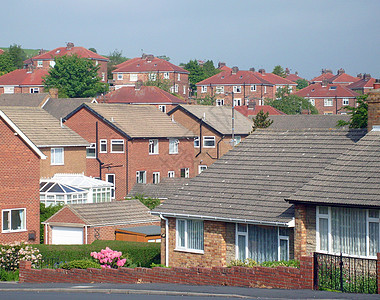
[58, 51]
[39, 64]
[332, 88]
[241, 77]
[222, 77]
[155, 65]
[138, 65]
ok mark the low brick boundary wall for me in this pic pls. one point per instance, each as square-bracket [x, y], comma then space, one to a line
[264, 277]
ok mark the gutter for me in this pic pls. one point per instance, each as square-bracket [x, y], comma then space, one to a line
[166, 240]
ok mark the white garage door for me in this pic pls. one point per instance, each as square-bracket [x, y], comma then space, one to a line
[67, 235]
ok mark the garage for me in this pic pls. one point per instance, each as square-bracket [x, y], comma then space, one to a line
[66, 235]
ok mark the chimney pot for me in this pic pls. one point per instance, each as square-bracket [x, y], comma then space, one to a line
[69, 45]
[262, 71]
[235, 70]
[341, 71]
[221, 65]
[325, 82]
[252, 69]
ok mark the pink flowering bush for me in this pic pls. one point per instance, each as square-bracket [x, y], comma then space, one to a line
[109, 258]
[11, 254]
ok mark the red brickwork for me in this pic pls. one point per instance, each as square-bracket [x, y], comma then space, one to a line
[373, 108]
[305, 230]
[23, 90]
[336, 107]
[263, 277]
[19, 183]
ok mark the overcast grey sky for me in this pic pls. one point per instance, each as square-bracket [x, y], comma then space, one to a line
[300, 34]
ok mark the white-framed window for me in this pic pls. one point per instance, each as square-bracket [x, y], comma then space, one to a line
[290, 88]
[237, 139]
[279, 87]
[173, 146]
[219, 89]
[253, 88]
[52, 64]
[119, 76]
[13, 220]
[117, 146]
[141, 176]
[185, 173]
[40, 64]
[345, 101]
[328, 113]
[166, 75]
[153, 146]
[111, 178]
[209, 141]
[103, 76]
[91, 151]
[179, 77]
[312, 102]
[162, 108]
[9, 90]
[34, 90]
[57, 156]
[196, 142]
[176, 88]
[237, 102]
[204, 89]
[133, 77]
[103, 146]
[171, 174]
[189, 235]
[152, 76]
[156, 177]
[328, 102]
[237, 89]
[265, 89]
[201, 168]
[184, 89]
[219, 102]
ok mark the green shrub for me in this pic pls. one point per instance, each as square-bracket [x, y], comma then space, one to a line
[9, 275]
[272, 264]
[248, 262]
[45, 213]
[80, 264]
[153, 265]
[10, 256]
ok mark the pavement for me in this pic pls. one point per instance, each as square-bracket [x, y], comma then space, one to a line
[178, 290]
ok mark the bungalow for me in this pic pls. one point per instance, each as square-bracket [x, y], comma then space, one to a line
[24, 81]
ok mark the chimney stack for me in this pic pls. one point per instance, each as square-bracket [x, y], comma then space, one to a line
[69, 46]
[341, 71]
[252, 69]
[235, 70]
[287, 71]
[376, 84]
[53, 93]
[366, 76]
[325, 82]
[261, 71]
[373, 109]
[221, 65]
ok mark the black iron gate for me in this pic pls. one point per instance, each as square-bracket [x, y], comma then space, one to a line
[345, 274]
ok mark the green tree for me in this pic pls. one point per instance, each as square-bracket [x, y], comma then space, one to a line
[301, 83]
[290, 104]
[6, 63]
[45, 213]
[116, 57]
[74, 77]
[163, 84]
[261, 120]
[17, 56]
[149, 202]
[278, 70]
[359, 114]
[93, 50]
[164, 57]
[207, 100]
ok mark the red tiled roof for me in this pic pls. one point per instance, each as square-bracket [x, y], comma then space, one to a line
[227, 77]
[322, 77]
[253, 112]
[1, 51]
[145, 95]
[61, 51]
[225, 68]
[343, 78]
[22, 77]
[293, 77]
[138, 65]
[274, 79]
[317, 90]
[362, 84]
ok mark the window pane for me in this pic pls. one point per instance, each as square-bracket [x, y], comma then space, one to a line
[5, 220]
[242, 227]
[241, 247]
[323, 234]
[324, 210]
[195, 234]
[373, 239]
[263, 243]
[181, 233]
[284, 250]
[16, 219]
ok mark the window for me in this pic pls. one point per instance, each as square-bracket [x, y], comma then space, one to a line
[209, 141]
[312, 102]
[345, 101]
[350, 231]
[153, 146]
[34, 90]
[237, 102]
[9, 90]
[204, 89]
[152, 76]
[91, 151]
[184, 89]
[328, 102]
[279, 88]
[265, 88]
[196, 142]
[117, 146]
[156, 177]
[219, 102]
[162, 108]
[201, 168]
[39, 64]
[185, 172]
[111, 179]
[13, 220]
[52, 63]
[103, 76]
[189, 235]
[237, 89]
[171, 174]
[237, 139]
[141, 176]
[179, 77]
[57, 156]
[173, 146]
[176, 88]
[103, 146]
[253, 88]
[166, 75]
[328, 113]
[119, 76]
[219, 89]
[132, 77]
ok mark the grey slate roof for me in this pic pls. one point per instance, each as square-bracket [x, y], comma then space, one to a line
[353, 179]
[61, 107]
[163, 190]
[219, 117]
[147, 230]
[292, 122]
[29, 100]
[252, 180]
[41, 128]
[113, 213]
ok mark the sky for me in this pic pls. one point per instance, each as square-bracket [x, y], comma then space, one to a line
[303, 35]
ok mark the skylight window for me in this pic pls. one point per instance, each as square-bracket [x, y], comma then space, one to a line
[222, 77]
[58, 51]
[332, 88]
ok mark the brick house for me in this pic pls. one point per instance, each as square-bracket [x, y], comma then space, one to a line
[85, 223]
[65, 150]
[241, 86]
[341, 78]
[328, 98]
[213, 128]
[140, 94]
[147, 67]
[20, 174]
[133, 143]
[364, 85]
[235, 209]
[25, 81]
[46, 61]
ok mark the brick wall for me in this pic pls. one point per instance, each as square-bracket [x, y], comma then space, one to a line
[19, 183]
[322, 109]
[262, 277]
[23, 90]
[373, 108]
[305, 230]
